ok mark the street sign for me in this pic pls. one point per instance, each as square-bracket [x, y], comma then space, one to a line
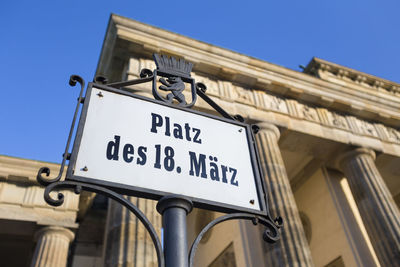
[147, 148]
[161, 149]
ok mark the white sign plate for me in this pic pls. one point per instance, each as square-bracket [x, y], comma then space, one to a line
[133, 142]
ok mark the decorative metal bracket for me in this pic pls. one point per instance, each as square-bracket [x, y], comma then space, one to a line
[78, 187]
[271, 234]
[43, 181]
[55, 184]
[173, 75]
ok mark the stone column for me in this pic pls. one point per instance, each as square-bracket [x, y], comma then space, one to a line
[127, 242]
[378, 210]
[52, 247]
[292, 249]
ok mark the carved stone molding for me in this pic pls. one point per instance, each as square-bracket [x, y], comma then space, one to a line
[341, 88]
[349, 75]
[21, 197]
[262, 100]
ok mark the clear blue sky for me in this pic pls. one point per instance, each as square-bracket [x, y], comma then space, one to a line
[44, 42]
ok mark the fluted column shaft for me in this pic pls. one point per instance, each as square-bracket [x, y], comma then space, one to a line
[52, 247]
[375, 203]
[128, 243]
[292, 249]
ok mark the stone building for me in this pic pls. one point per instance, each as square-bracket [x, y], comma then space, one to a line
[329, 147]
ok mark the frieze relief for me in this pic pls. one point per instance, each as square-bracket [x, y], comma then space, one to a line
[393, 135]
[366, 128]
[243, 95]
[338, 121]
[227, 91]
[381, 131]
[307, 113]
[322, 116]
[292, 108]
[270, 102]
[29, 196]
[212, 85]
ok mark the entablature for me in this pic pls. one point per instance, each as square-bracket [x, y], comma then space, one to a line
[381, 106]
[21, 196]
[288, 113]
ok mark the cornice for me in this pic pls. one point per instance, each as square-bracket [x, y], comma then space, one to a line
[381, 106]
[365, 80]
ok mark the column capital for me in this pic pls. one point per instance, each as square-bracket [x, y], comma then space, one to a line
[348, 155]
[265, 126]
[52, 246]
[54, 230]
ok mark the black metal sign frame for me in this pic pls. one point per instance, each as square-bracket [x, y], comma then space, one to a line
[172, 74]
[154, 194]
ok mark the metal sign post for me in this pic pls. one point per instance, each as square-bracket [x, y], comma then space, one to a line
[160, 149]
[174, 210]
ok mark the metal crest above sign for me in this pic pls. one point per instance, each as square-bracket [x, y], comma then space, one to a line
[177, 73]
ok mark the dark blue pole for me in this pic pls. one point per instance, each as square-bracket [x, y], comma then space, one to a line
[174, 210]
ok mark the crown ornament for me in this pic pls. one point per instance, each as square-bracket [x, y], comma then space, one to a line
[171, 65]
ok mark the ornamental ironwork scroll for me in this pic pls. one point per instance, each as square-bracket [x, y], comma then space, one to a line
[169, 85]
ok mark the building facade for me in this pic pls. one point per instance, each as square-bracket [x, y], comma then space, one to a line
[329, 146]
